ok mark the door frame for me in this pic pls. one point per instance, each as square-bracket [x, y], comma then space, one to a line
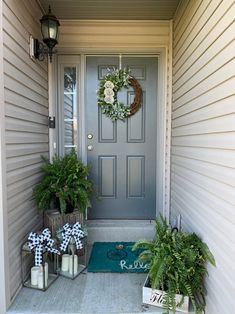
[163, 137]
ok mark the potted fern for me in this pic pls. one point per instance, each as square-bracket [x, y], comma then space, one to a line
[64, 183]
[177, 268]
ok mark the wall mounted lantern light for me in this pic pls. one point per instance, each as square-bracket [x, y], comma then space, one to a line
[49, 29]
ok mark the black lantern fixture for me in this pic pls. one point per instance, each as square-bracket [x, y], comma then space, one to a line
[49, 28]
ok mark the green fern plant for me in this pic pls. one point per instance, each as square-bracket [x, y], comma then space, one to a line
[177, 265]
[64, 181]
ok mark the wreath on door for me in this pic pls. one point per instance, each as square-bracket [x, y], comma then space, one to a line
[109, 86]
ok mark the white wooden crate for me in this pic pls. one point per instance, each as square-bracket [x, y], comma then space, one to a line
[155, 297]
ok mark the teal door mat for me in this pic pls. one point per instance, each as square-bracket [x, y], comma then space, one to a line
[115, 257]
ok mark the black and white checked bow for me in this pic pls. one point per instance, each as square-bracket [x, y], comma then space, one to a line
[40, 243]
[70, 232]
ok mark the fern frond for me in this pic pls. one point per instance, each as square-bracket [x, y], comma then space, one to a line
[177, 264]
[65, 179]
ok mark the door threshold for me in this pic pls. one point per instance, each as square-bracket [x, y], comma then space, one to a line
[120, 221]
[120, 230]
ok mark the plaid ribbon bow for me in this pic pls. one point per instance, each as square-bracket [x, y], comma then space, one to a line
[70, 232]
[40, 243]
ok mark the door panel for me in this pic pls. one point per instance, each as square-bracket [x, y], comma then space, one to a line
[106, 128]
[107, 176]
[136, 124]
[135, 176]
[122, 154]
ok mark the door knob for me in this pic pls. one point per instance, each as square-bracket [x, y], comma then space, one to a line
[90, 147]
[90, 136]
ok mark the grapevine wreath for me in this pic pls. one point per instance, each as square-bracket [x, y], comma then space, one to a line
[109, 86]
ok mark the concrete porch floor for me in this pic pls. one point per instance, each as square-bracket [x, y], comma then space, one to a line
[88, 293]
[104, 293]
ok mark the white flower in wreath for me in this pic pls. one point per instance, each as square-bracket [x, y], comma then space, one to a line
[108, 92]
[109, 99]
[109, 84]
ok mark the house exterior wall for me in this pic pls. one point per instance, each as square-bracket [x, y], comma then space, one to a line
[26, 127]
[203, 136]
[4, 275]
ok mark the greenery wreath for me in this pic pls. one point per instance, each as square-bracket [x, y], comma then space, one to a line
[109, 86]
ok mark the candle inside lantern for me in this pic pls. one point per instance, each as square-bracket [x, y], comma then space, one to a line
[40, 277]
[65, 262]
[34, 275]
[46, 271]
[73, 268]
[40, 280]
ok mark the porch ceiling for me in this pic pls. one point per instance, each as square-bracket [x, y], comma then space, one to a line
[112, 9]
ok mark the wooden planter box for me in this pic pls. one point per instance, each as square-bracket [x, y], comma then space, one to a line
[155, 297]
[54, 220]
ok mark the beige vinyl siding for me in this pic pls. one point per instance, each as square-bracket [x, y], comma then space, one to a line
[203, 136]
[107, 36]
[26, 120]
[113, 9]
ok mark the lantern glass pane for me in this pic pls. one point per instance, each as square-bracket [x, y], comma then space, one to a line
[53, 29]
[49, 29]
[45, 29]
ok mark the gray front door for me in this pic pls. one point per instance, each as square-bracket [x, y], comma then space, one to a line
[122, 155]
